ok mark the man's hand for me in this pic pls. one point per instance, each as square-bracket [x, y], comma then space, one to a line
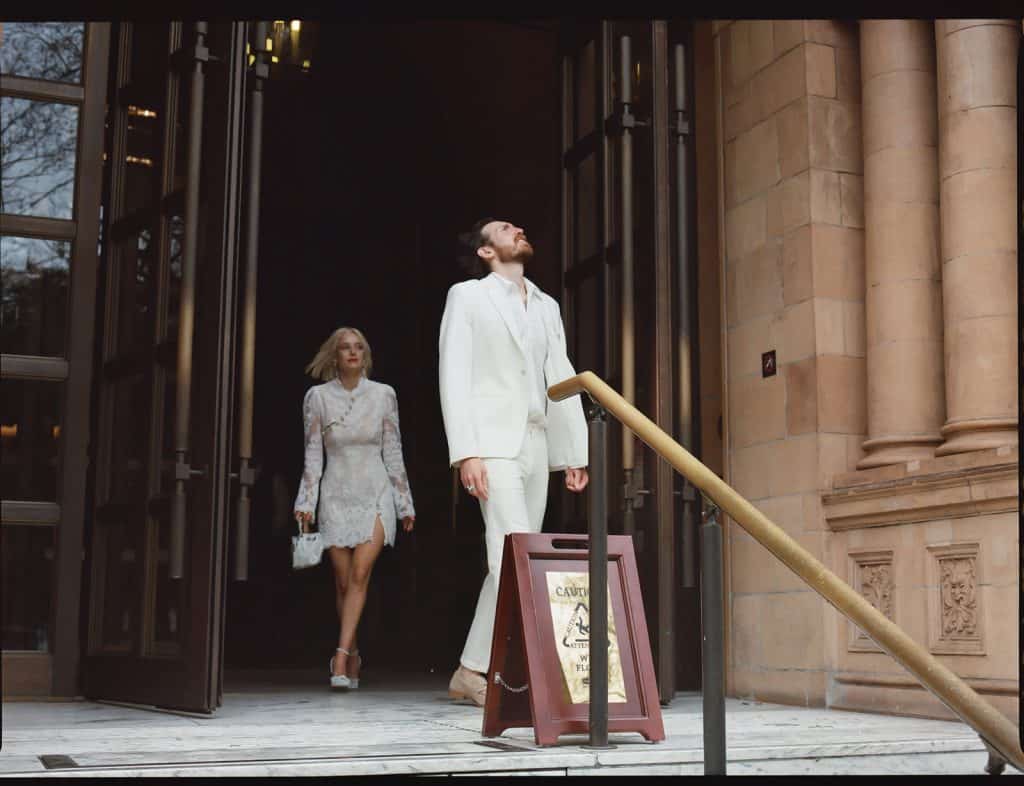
[473, 475]
[576, 479]
[407, 522]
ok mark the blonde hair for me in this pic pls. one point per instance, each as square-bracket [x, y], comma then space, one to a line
[324, 365]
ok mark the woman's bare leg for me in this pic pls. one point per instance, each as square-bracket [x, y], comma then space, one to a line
[341, 559]
[363, 558]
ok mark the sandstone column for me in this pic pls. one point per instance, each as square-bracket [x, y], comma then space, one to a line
[977, 64]
[903, 296]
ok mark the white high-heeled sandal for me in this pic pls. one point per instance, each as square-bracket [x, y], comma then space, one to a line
[343, 680]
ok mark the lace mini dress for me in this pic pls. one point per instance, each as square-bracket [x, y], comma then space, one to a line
[364, 475]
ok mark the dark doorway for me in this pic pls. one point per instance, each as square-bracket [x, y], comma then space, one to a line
[400, 136]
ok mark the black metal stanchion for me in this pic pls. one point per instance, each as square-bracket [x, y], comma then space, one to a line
[712, 648]
[598, 578]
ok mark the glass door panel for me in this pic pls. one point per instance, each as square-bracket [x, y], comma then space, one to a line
[597, 251]
[155, 635]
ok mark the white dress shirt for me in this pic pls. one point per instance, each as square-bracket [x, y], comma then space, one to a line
[530, 324]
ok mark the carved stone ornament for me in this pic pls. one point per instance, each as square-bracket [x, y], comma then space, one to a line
[871, 574]
[959, 588]
[955, 619]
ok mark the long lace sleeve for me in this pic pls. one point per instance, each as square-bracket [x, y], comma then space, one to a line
[309, 487]
[391, 452]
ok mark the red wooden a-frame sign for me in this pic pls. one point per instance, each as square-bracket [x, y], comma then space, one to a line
[525, 683]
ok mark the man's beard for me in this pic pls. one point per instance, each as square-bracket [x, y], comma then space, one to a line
[522, 253]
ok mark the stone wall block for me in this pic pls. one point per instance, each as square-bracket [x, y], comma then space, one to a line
[902, 174]
[797, 277]
[801, 396]
[751, 162]
[826, 197]
[821, 70]
[837, 255]
[977, 212]
[851, 197]
[985, 283]
[902, 241]
[793, 138]
[910, 309]
[786, 34]
[993, 393]
[896, 45]
[899, 111]
[902, 376]
[983, 138]
[757, 410]
[841, 396]
[758, 284]
[835, 135]
[979, 68]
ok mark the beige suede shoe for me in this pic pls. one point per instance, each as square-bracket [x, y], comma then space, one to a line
[468, 685]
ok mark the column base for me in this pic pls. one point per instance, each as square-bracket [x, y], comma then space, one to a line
[965, 436]
[883, 451]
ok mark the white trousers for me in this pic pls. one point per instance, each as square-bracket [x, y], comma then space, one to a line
[517, 496]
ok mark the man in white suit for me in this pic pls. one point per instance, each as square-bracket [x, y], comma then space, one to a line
[502, 344]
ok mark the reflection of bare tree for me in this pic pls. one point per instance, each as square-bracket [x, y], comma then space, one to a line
[43, 50]
[33, 301]
[37, 138]
[37, 156]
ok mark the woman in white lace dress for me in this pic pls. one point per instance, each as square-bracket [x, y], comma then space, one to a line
[363, 488]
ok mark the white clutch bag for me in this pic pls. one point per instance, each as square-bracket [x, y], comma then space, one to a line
[307, 549]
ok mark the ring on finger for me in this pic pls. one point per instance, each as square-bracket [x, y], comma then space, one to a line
[470, 488]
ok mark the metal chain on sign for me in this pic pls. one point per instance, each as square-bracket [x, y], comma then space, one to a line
[499, 681]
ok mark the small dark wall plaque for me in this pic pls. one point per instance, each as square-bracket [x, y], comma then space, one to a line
[768, 367]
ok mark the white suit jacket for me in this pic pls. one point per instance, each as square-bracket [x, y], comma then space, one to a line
[483, 379]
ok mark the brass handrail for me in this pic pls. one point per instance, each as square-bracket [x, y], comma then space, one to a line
[995, 729]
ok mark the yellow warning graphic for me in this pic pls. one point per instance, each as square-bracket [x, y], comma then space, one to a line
[568, 594]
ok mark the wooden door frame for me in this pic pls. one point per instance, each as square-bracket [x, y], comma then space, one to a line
[193, 677]
[55, 673]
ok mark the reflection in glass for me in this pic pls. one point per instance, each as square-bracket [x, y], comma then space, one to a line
[586, 90]
[180, 141]
[142, 170]
[120, 544]
[167, 458]
[30, 423]
[43, 50]
[614, 179]
[136, 265]
[588, 219]
[129, 440]
[587, 305]
[38, 142]
[145, 119]
[27, 555]
[176, 236]
[33, 295]
[149, 55]
[168, 598]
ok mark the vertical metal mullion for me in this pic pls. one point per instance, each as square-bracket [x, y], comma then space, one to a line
[78, 386]
[601, 104]
[568, 239]
[664, 399]
[684, 297]
[157, 400]
[187, 309]
[220, 466]
[248, 348]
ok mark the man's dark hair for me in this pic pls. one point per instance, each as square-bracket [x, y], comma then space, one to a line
[468, 243]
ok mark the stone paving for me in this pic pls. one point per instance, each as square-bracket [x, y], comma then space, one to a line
[408, 726]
